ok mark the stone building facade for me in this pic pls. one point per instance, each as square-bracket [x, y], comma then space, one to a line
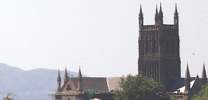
[159, 56]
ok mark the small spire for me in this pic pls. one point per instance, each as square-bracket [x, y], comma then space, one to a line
[176, 15]
[160, 16]
[176, 10]
[156, 15]
[156, 9]
[66, 77]
[187, 79]
[66, 73]
[140, 12]
[59, 75]
[197, 76]
[80, 73]
[160, 8]
[59, 80]
[79, 80]
[141, 17]
[204, 74]
[187, 72]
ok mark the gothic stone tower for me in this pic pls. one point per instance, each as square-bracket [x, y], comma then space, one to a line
[159, 56]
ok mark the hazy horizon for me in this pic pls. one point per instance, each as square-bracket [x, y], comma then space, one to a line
[99, 35]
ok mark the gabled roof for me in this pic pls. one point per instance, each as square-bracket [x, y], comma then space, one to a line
[195, 85]
[182, 89]
[96, 84]
[113, 83]
[89, 83]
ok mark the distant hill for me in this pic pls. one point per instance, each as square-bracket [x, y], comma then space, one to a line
[37, 84]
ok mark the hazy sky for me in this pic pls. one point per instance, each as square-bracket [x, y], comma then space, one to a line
[99, 35]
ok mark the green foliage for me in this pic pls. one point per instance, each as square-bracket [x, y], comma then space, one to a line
[203, 94]
[139, 88]
[88, 95]
[172, 98]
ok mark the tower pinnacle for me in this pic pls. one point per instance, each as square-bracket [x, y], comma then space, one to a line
[59, 81]
[79, 80]
[66, 77]
[140, 12]
[160, 16]
[141, 22]
[160, 11]
[176, 15]
[156, 15]
[187, 79]
[204, 74]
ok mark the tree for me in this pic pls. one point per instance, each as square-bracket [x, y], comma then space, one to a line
[88, 95]
[203, 94]
[140, 88]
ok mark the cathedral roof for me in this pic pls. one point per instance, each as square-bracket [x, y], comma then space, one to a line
[182, 88]
[195, 85]
[96, 84]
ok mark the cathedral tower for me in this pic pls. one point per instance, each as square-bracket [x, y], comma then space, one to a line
[159, 56]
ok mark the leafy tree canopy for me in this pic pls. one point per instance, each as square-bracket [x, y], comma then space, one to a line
[140, 88]
[203, 94]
